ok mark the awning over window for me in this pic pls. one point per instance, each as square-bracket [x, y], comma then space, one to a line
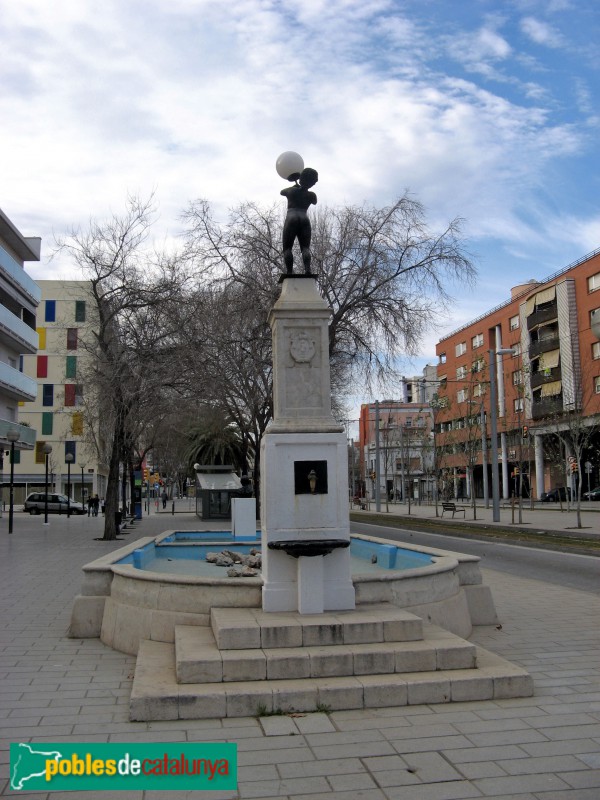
[549, 360]
[551, 389]
[545, 296]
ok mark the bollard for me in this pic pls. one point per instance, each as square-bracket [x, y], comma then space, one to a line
[173, 508]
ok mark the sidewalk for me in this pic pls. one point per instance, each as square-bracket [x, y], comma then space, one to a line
[543, 517]
[546, 747]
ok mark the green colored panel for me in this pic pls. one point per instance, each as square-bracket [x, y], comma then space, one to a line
[71, 371]
[47, 422]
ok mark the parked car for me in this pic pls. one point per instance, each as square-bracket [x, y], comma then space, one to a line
[593, 494]
[554, 495]
[57, 504]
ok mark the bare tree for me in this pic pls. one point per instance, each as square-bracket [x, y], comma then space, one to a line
[133, 291]
[384, 274]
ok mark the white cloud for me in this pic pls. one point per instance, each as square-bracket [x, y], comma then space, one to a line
[541, 33]
[194, 99]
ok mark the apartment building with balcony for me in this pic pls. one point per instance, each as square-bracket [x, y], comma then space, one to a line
[552, 376]
[19, 298]
[61, 411]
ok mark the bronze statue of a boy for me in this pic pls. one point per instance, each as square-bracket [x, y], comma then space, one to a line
[297, 223]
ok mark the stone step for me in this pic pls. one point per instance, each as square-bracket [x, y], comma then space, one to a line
[199, 660]
[156, 695]
[253, 628]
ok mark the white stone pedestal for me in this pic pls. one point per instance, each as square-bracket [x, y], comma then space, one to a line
[312, 584]
[303, 437]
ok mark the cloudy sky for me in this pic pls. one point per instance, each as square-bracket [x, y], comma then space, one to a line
[484, 110]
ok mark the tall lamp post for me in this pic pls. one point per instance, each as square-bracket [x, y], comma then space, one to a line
[82, 465]
[69, 458]
[46, 449]
[494, 430]
[12, 435]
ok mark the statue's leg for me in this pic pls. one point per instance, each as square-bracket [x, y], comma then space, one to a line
[304, 241]
[289, 234]
[288, 260]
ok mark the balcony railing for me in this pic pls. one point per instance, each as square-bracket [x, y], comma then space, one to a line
[547, 407]
[542, 315]
[545, 376]
[27, 436]
[543, 346]
[17, 275]
[18, 335]
[16, 384]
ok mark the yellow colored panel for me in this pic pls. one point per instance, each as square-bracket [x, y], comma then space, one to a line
[41, 332]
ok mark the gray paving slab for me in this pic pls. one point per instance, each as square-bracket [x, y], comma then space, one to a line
[543, 747]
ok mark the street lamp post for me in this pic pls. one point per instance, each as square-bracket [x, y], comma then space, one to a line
[46, 449]
[82, 495]
[12, 435]
[494, 430]
[69, 458]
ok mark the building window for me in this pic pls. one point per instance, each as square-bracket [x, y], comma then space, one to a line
[47, 394]
[518, 404]
[442, 358]
[42, 366]
[70, 449]
[517, 377]
[443, 381]
[595, 312]
[47, 423]
[71, 367]
[71, 338]
[50, 312]
[461, 395]
[478, 365]
[513, 322]
[596, 350]
[479, 390]
[461, 372]
[41, 332]
[79, 310]
[477, 340]
[597, 384]
[516, 348]
[460, 348]
[594, 282]
[77, 424]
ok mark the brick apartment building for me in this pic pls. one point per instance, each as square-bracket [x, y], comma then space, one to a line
[549, 383]
[405, 441]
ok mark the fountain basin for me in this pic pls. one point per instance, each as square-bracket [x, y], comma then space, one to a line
[123, 603]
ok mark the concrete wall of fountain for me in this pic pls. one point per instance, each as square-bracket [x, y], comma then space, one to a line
[123, 605]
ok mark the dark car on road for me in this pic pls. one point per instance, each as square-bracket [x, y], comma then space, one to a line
[57, 504]
[594, 494]
[554, 495]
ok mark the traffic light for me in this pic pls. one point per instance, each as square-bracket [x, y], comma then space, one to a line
[146, 473]
[574, 467]
[373, 475]
[525, 431]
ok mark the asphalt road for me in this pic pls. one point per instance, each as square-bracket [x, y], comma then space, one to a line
[560, 568]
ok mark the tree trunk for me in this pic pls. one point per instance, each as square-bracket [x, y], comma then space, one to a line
[112, 487]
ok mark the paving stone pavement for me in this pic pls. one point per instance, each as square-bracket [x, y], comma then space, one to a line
[546, 747]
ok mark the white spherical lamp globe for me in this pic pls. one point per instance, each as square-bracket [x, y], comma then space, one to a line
[289, 165]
